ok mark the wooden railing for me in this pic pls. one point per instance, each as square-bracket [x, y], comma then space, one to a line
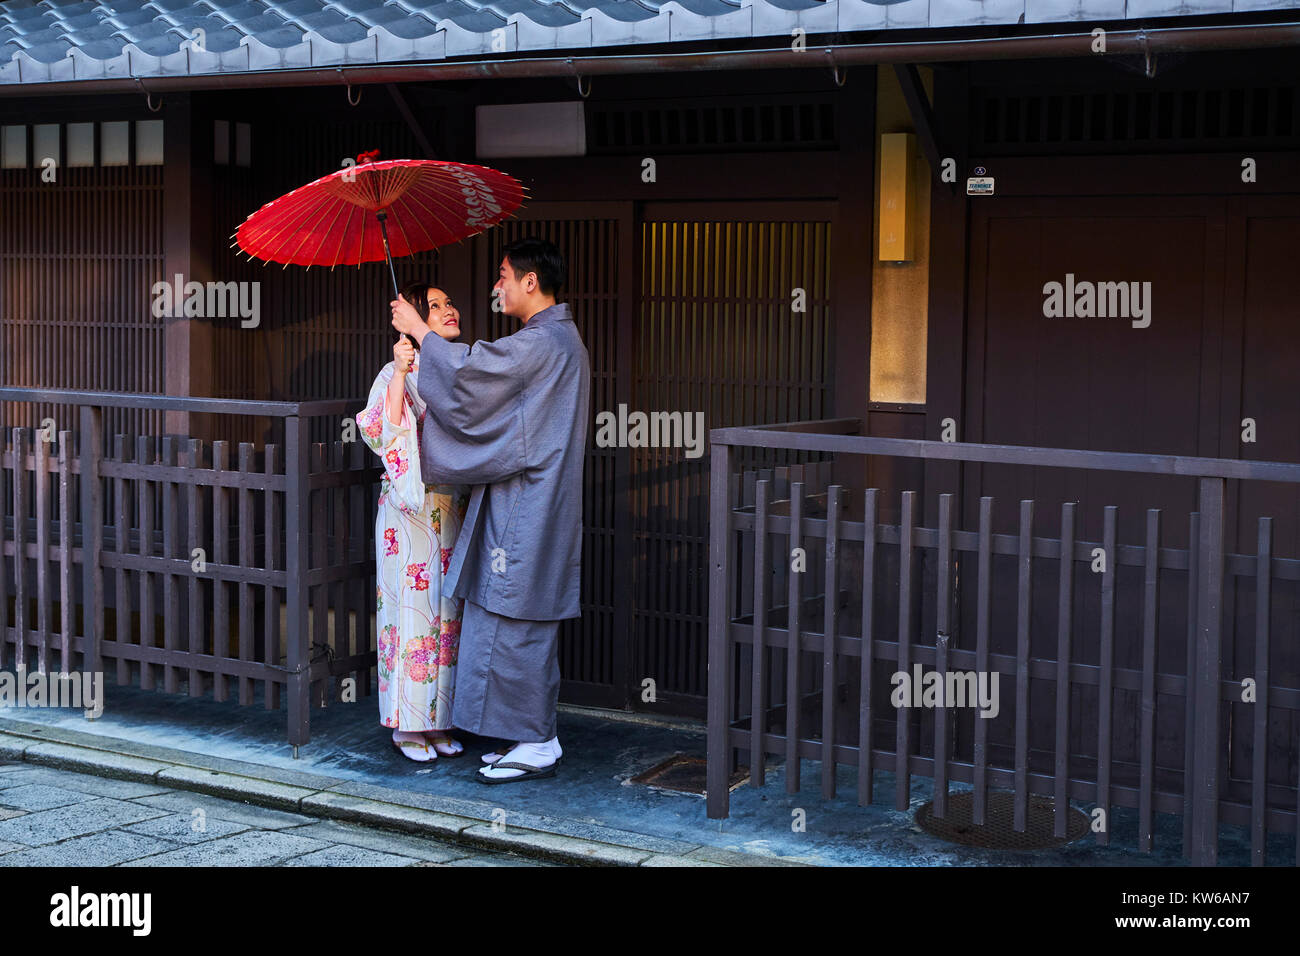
[815, 603]
[182, 568]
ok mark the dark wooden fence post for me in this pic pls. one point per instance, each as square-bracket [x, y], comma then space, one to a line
[1189, 704]
[1064, 626]
[1209, 651]
[4, 568]
[92, 538]
[943, 606]
[297, 490]
[830, 632]
[66, 612]
[717, 803]
[1259, 742]
[20, 549]
[758, 670]
[41, 501]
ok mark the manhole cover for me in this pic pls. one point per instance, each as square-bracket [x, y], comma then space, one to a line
[998, 832]
[684, 774]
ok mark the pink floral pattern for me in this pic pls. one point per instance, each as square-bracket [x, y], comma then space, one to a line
[397, 461]
[450, 644]
[388, 641]
[417, 577]
[415, 534]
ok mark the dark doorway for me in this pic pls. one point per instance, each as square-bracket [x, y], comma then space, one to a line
[716, 308]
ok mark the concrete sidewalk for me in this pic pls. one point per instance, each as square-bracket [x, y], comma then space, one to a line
[589, 812]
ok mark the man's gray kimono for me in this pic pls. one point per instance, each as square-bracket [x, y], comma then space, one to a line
[510, 417]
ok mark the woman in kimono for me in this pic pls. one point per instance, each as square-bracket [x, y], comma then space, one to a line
[415, 530]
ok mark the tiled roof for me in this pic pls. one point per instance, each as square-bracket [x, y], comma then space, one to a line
[50, 40]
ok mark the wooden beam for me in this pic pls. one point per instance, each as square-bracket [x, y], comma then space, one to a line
[918, 104]
[402, 107]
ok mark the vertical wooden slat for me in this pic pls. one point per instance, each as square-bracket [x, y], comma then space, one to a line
[982, 614]
[194, 542]
[781, 486]
[220, 593]
[902, 731]
[20, 549]
[171, 592]
[42, 496]
[1259, 746]
[866, 772]
[1105, 668]
[794, 601]
[92, 540]
[297, 480]
[273, 558]
[943, 629]
[66, 610]
[4, 567]
[758, 707]
[122, 630]
[144, 512]
[344, 589]
[749, 481]
[717, 770]
[245, 589]
[1064, 622]
[1209, 650]
[1024, 596]
[320, 616]
[1150, 629]
[1189, 694]
[831, 629]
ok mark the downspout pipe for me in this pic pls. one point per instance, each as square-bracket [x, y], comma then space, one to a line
[1138, 41]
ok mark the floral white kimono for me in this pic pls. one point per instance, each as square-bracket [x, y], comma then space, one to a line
[415, 530]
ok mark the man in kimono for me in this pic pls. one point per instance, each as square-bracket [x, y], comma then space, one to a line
[510, 418]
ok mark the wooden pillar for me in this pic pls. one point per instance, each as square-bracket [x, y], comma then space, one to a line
[949, 227]
[187, 245]
[851, 254]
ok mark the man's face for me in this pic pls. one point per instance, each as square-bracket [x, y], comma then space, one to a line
[512, 291]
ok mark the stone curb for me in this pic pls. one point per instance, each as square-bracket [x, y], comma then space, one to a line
[320, 798]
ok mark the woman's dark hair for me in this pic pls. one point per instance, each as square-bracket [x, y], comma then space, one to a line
[417, 293]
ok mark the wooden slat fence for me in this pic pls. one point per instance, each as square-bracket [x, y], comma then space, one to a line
[817, 604]
[248, 577]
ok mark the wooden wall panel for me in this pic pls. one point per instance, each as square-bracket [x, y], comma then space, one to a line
[78, 258]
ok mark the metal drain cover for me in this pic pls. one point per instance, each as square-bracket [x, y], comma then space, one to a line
[998, 832]
[684, 774]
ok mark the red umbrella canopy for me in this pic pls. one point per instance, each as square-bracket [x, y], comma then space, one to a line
[332, 221]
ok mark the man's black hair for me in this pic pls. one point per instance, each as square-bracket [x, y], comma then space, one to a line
[532, 254]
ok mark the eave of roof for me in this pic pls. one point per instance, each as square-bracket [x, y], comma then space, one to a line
[63, 46]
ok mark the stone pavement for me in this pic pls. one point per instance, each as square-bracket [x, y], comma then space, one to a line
[590, 812]
[465, 824]
[53, 817]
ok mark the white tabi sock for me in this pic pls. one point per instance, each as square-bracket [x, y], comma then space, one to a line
[542, 754]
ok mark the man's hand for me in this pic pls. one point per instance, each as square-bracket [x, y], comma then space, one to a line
[406, 320]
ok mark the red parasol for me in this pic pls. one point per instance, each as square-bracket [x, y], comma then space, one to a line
[343, 218]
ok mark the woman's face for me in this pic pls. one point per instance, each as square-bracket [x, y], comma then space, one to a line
[444, 319]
